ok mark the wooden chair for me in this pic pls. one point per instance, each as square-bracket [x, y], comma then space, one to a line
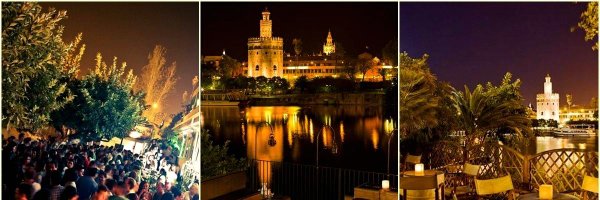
[463, 183]
[496, 186]
[423, 184]
[590, 184]
[410, 161]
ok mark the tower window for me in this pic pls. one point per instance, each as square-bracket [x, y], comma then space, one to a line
[256, 52]
[257, 67]
[542, 113]
[274, 67]
[266, 53]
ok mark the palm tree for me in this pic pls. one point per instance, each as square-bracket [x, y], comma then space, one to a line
[418, 104]
[483, 111]
[418, 100]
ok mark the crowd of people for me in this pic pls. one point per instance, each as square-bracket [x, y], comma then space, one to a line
[47, 169]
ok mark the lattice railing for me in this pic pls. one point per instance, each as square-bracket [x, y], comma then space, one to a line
[445, 153]
[563, 168]
[498, 160]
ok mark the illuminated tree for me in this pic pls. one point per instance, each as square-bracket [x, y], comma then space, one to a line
[364, 64]
[35, 61]
[157, 80]
[589, 23]
[109, 105]
[418, 102]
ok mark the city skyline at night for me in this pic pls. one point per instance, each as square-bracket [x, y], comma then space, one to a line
[374, 27]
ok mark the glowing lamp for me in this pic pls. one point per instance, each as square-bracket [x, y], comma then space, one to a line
[135, 134]
[546, 192]
[419, 169]
[385, 185]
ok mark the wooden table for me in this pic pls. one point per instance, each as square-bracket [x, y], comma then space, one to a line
[534, 196]
[425, 173]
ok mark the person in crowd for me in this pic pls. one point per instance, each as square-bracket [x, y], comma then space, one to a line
[101, 178]
[144, 191]
[68, 170]
[119, 191]
[43, 194]
[55, 188]
[167, 196]
[102, 193]
[189, 195]
[70, 193]
[131, 188]
[70, 178]
[159, 191]
[177, 194]
[86, 185]
[23, 192]
[29, 178]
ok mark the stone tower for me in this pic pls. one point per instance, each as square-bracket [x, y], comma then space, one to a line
[265, 53]
[329, 46]
[547, 103]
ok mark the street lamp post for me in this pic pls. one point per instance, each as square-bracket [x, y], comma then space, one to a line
[271, 142]
[335, 151]
[388, 152]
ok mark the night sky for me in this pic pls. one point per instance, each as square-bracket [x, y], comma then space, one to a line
[472, 43]
[356, 25]
[131, 30]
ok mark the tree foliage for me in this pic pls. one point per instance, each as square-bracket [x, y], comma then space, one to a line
[491, 109]
[589, 23]
[418, 101]
[110, 107]
[228, 66]
[156, 81]
[214, 159]
[364, 64]
[34, 61]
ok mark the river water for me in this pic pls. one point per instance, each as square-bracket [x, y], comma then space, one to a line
[544, 143]
[360, 134]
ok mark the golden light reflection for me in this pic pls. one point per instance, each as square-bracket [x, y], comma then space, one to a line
[311, 132]
[342, 132]
[375, 139]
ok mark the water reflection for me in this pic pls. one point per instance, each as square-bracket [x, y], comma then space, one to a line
[359, 135]
[546, 143]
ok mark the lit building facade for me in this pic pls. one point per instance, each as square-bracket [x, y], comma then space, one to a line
[265, 53]
[577, 113]
[548, 103]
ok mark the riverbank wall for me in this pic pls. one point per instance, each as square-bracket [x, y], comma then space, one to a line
[319, 99]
